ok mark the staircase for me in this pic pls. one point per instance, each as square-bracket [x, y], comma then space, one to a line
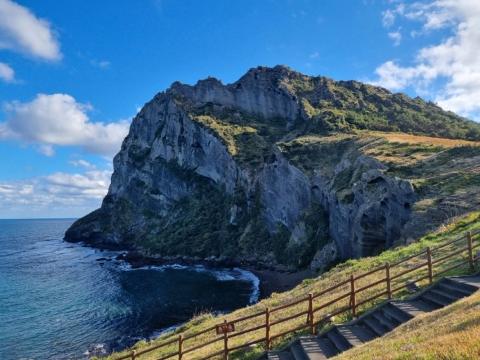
[378, 321]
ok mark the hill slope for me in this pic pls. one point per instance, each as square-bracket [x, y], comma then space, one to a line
[283, 169]
[451, 333]
[334, 276]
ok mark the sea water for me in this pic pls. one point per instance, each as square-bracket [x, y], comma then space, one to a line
[67, 301]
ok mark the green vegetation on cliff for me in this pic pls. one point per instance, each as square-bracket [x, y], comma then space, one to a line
[351, 105]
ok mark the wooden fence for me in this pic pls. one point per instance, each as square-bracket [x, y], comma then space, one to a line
[307, 313]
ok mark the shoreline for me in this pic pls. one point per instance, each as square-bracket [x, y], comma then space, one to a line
[274, 281]
[271, 279]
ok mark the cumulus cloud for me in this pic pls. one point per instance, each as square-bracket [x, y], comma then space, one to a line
[7, 74]
[59, 194]
[396, 37]
[22, 31]
[453, 62]
[59, 120]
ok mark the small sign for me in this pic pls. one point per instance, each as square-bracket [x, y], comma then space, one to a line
[225, 328]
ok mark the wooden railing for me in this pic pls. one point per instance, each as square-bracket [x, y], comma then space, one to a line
[308, 313]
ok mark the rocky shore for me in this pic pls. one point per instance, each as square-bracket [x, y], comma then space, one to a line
[272, 278]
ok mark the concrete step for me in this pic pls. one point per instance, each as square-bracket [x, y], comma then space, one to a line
[414, 307]
[338, 340]
[356, 335]
[454, 290]
[314, 349]
[297, 351]
[467, 283]
[396, 313]
[448, 296]
[328, 347]
[432, 298]
[374, 325]
[282, 355]
[377, 323]
[390, 324]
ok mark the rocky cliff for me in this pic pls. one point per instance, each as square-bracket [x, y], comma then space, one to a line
[277, 168]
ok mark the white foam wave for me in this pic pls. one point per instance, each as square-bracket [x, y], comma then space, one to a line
[235, 274]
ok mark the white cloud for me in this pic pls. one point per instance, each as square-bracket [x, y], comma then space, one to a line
[390, 15]
[82, 163]
[46, 150]
[59, 120]
[101, 64]
[56, 195]
[453, 62]
[396, 37]
[314, 55]
[388, 18]
[7, 74]
[22, 31]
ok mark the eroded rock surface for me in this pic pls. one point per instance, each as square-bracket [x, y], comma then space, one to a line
[255, 171]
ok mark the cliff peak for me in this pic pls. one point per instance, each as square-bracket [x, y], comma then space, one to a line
[283, 168]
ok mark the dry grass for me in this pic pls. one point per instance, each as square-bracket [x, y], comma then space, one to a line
[227, 132]
[324, 281]
[449, 333]
[403, 138]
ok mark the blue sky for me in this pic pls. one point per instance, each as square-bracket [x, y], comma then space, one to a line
[74, 73]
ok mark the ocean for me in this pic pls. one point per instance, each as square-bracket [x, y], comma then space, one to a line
[67, 301]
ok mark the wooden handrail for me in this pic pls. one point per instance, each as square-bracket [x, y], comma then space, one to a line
[311, 310]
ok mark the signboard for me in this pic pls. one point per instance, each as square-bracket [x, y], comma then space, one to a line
[225, 328]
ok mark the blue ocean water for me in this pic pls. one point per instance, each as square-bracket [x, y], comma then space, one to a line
[66, 301]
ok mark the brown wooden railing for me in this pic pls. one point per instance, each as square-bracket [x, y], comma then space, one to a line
[347, 297]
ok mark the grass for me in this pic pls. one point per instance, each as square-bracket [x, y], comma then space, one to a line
[227, 132]
[450, 333]
[334, 276]
[403, 138]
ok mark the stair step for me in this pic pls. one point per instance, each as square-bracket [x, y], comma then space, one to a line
[338, 340]
[297, 351]
[314, 349]
[328, 348]
[356, 335]
[374, 325]
[414, 307]
[283, 355]
[390, 324]
[396, 313]
[457, 291]
[437, 291]
[461, 283]
[432, 298]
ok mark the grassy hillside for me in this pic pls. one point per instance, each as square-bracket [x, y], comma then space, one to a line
[326, 280]
[351, 105]
[451, 333]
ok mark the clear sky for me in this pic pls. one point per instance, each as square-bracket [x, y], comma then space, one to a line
[73, 73]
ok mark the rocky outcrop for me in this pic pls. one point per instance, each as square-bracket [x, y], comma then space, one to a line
[179, 189]
[260, 91]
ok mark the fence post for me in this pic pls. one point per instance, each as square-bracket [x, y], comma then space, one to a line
[225, 343]
[310, 313]
[353, 302]
[470, 251]
[389, 282]
[180, 347]
[429, 261]
[267, 327]
[133, 354]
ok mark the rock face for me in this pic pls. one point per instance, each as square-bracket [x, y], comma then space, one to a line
[254, 171]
